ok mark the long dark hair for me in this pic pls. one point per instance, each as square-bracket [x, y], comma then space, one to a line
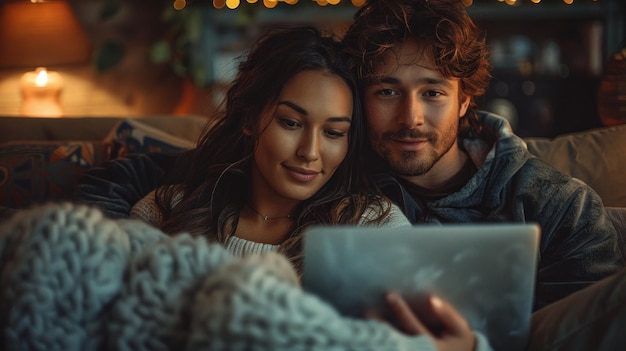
[216, 175]
[441, 26]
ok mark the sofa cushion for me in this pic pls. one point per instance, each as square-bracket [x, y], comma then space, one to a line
[18, 128]
[597, 157]
[33, 172]
[37, 172]
[132, 136]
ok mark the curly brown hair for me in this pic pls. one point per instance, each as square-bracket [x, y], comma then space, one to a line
[442, 26]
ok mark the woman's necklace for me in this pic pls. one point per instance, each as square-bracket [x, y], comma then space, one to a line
[266, 218]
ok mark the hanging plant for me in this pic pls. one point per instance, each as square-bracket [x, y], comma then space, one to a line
[182, 31]
[111, 52]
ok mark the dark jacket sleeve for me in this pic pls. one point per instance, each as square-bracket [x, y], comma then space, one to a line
[579, 243]
[117, 185]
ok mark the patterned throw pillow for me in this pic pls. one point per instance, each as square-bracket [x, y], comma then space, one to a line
[41, 171]
[33, 172]
[132, 136]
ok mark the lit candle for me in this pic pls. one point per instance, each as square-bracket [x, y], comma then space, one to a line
[41, 93]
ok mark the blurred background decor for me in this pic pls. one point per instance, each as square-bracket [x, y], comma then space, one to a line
[176, 57]
[612, 91]
[36, 34]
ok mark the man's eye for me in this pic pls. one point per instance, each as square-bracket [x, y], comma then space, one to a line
[387, 92]
[433, 93]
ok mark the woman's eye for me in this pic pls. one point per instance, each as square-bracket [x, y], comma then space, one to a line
[335, 134]
[288, 123]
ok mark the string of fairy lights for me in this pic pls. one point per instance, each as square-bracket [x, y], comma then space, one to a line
[233, 4]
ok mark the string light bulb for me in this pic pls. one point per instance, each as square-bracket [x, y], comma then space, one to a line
[232, 4]
[180, 4]
[270, 4]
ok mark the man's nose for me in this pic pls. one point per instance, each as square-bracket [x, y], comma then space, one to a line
[412, 112]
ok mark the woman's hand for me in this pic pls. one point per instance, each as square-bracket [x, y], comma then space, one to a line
[437, 320]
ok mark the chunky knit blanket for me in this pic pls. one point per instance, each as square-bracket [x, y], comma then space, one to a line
[72, 279]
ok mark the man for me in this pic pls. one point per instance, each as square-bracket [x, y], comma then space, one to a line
[421, 64]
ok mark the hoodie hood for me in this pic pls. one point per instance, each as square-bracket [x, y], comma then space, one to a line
[497, 162]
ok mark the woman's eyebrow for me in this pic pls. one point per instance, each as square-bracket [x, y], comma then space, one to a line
[304, 112]
[298, 109]
[340, 119]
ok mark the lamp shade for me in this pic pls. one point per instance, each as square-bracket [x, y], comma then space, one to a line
[40, 33]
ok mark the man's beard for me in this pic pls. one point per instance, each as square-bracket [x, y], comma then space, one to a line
[412, 163]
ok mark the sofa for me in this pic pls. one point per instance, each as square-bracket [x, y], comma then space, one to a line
[41, 159]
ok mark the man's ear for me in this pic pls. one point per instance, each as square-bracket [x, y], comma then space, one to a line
[464, 105]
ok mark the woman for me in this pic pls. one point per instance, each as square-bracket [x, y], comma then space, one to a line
[281, 157]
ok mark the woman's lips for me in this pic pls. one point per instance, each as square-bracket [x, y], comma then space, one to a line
[301, 174]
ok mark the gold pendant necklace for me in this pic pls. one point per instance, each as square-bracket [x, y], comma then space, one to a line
[266, 218]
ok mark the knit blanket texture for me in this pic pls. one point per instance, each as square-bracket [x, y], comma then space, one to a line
[71, 279]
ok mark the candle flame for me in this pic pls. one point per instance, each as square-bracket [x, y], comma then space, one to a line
[42, 77]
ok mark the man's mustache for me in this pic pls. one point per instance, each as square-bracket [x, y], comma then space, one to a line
[406, 134]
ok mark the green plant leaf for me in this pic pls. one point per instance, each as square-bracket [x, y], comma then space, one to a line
[194, 25]
[161, 52]
[109, 54]
[168, 14]
[180, 69]
[109, 9]
[198, 75]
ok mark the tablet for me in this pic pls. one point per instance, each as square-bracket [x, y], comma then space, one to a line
[486, 271]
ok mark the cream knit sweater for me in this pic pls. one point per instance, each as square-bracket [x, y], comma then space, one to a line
[147, 210]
